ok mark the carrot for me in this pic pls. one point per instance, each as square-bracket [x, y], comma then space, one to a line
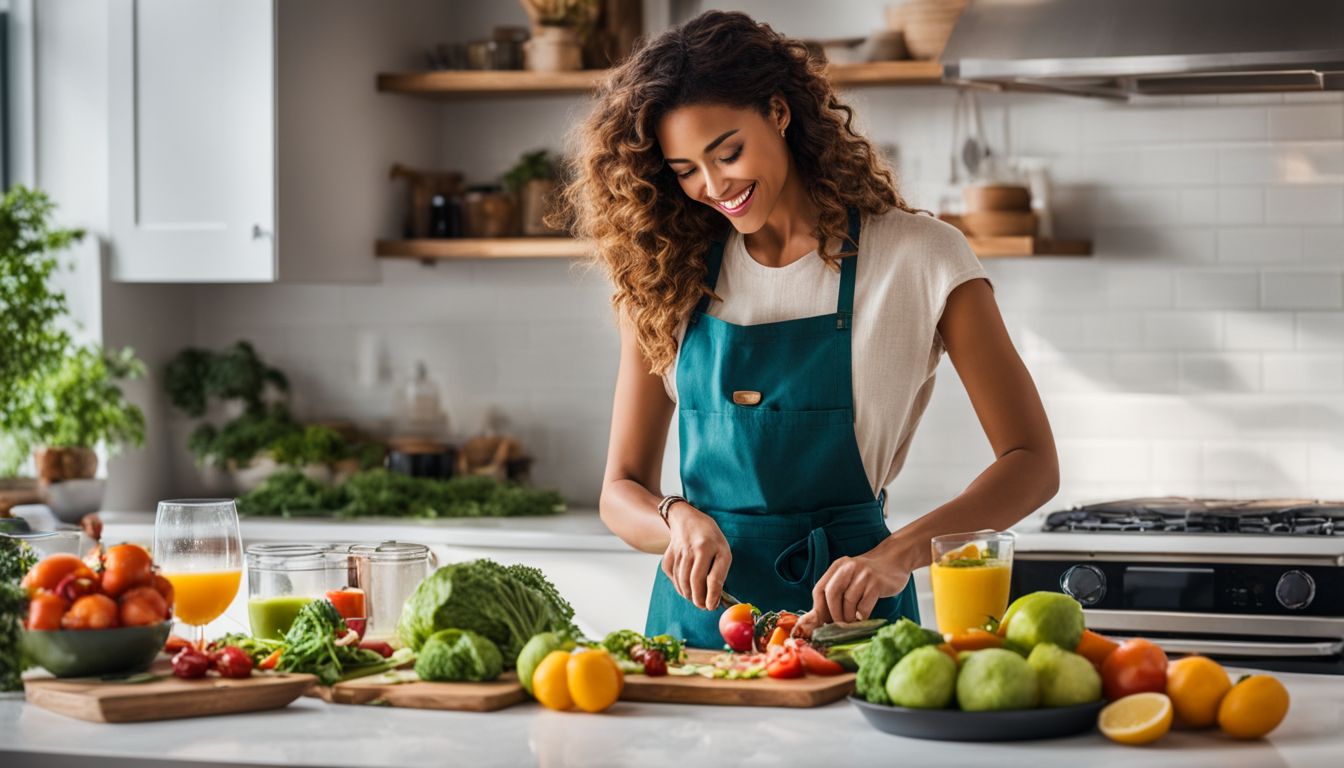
[949, 650]
[974, 640]
[270, 661]
[1094, 647]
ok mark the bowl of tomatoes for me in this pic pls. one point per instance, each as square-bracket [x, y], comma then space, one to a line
[110, 614]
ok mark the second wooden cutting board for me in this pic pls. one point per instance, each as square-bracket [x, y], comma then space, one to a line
[810, 691]
[414, 693]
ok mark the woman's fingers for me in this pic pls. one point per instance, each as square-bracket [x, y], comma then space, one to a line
[868, 601]
[699, 575]
[718, 575]
[684, 574]
[853, 597]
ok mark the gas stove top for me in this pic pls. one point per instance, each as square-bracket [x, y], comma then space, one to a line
[1176, 514]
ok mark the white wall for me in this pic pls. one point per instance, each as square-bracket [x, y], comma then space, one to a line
[1201, 350]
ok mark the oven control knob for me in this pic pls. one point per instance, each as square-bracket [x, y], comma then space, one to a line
[1295, 590]
[1084, 583]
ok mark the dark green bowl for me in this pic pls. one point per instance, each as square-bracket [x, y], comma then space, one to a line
[93, 652]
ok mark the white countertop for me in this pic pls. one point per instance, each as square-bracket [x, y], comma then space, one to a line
[310, 732]
[572, 530]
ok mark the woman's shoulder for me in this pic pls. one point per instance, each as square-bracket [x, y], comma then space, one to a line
[916, 249]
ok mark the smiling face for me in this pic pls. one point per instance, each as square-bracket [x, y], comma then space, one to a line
[732, 159]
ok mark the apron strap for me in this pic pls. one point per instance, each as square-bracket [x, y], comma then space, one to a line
[713, 262]
[844, 305]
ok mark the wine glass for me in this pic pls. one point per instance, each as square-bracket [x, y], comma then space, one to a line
[199, 549]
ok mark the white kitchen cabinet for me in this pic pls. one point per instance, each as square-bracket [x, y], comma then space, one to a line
[247, 143]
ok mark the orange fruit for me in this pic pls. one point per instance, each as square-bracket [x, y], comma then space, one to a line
[595, 682]
[1253, 707]
[1139, 718]
[550, 681]
[1196, 686]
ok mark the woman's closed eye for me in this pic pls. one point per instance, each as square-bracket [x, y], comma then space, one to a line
[725, 160]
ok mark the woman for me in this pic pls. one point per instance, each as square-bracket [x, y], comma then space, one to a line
[770, 280]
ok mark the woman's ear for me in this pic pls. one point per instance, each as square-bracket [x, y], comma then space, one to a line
[779, 112]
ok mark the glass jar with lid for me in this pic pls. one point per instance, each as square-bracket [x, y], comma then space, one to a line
[388, 573]
[281, 579]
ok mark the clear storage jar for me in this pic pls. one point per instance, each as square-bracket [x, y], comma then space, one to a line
[281, 579]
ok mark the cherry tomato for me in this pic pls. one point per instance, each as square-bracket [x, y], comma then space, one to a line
[783, 662]
[190, 664]
[45, 610]
[816, 663]
[1136, 666]
[232, 661]
[126, 566]
[51, 570]
[141, 606]
[738, 626]
[655, 663]
[91, 612]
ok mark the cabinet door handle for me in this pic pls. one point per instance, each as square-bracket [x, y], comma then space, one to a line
[258, 233]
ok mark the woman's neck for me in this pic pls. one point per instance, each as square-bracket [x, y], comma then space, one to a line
[789, 232]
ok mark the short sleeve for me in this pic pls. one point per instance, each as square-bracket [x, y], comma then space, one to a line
[951, 262]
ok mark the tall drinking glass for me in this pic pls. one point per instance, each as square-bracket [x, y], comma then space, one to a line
[199, 549]
[971, 575]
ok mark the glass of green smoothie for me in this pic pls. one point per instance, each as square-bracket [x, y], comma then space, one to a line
[281, 579]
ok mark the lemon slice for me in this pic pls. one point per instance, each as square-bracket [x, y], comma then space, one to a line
[1136, 719]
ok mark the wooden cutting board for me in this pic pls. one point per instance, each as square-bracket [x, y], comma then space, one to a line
[810, 691]
[417, 694]
[167, 698]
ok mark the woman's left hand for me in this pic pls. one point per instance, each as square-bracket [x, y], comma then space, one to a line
[850, 588]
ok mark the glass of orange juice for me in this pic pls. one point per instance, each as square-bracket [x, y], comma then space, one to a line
[971, 575]
[198, 547]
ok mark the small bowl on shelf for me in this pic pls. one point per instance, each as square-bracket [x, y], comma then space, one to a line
[95, 652]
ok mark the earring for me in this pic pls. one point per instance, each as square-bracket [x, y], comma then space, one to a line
[781, 133]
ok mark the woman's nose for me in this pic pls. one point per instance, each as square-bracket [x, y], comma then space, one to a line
[715, 186]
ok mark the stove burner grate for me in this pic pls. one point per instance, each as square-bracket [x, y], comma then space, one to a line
[1287, 517]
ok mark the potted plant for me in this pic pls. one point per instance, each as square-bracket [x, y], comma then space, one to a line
[250, 396]
[69, 410]
[531, 181]
[559, 29]
[30, 308]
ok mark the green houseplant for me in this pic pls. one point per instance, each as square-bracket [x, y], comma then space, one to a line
[30, 308]
[532, 183]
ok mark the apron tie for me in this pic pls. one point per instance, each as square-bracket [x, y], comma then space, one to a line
[815, 551]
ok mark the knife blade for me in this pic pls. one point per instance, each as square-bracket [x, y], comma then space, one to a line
[727, 599]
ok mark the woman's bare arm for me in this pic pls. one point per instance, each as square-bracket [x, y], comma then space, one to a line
[1023, 476]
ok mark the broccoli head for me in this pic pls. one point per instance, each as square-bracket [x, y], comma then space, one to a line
[456, 655]
[876, 661]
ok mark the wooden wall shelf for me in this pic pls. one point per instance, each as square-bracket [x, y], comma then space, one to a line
[568, 248]
[467, 83]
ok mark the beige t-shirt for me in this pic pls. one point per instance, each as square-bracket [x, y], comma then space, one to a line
[908, 264]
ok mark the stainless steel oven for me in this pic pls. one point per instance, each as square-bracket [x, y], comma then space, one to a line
[1254, 583]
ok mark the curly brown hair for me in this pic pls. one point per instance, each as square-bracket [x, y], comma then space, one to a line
[650, 237]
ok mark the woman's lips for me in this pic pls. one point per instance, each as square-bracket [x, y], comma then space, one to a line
[743, 202]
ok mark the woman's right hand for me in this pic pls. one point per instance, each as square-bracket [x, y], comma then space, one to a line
[697, 557]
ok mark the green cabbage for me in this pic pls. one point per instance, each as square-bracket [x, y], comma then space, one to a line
[454, 654]
[505, 604]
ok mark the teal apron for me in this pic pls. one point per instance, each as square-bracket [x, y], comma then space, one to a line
[783, 478]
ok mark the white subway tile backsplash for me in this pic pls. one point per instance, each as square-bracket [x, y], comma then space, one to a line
[1145, 372]
[1199, 206]
[1323, 245]
[1320, 330]
[1223, 124]
[1258, 330]
[1304, 205]
[1189, 330]
[1157, 245]
[1118, 124]
[1222, 372]
[1314, 121]
[1304, 371]
[1241, 206]
[1129, 287]
[1209, 289]
[1259, 245]
[1301, 290]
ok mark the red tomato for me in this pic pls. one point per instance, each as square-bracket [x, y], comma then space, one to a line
[348, 601]
[175, 644]
[377, 646]
[190, 664]
[738, 626]
[1136, 666]
[45, 610]
[91, 612]
[233, 662]
[126, 566]
[51, 570]
[816, 663]
[165, 588]
[74, 586]
[783, 662]
[141, 606]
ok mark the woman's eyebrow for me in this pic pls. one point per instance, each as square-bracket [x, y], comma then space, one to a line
[708, 147]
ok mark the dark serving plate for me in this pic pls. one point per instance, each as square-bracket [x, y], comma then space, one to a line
[955, 725]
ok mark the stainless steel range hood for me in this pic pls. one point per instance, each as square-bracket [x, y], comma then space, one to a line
[1119, 48]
